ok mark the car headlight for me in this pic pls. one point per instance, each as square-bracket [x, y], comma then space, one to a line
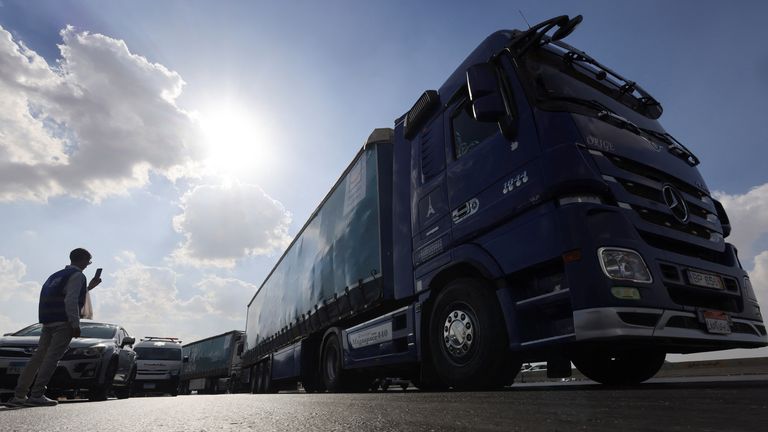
[91, 351]
[624, 264]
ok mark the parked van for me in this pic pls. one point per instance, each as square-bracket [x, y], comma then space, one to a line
[159, 364]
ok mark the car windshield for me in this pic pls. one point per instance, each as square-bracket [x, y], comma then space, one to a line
[90, 330]
[558, 82]
[147, 353]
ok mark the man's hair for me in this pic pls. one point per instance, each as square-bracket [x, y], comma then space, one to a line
[79, 255]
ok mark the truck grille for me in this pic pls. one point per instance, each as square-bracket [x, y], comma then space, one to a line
[700, 236]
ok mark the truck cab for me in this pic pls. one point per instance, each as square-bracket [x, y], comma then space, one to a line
[159, 361]
[544, 176]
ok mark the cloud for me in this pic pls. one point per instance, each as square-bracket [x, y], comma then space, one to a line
[224, 223]
[96, 124]
[748, 213]
[144, 299]
[749, 218]
[147, 301]
[18, 298]
[759, 278]
[12, 271]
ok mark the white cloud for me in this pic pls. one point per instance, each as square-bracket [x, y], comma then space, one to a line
[12, 271]
[94, 125]
[148, 302]
[759, 278]
[18, 298]
[749, 218]
[224, 223]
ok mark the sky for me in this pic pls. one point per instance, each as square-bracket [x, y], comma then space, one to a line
[184, 143]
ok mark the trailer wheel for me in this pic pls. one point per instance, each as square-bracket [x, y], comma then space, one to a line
[626, 367]
[467, 337]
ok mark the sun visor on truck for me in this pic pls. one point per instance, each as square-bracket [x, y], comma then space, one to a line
[420, 112]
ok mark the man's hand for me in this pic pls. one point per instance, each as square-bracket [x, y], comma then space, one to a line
[76, 331]
[94, 283]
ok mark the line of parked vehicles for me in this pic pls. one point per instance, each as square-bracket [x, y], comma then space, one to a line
[106, 361]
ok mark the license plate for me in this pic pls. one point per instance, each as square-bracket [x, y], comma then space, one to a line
[705, 280]
[149, 385]
[717, 322]
[15, 368]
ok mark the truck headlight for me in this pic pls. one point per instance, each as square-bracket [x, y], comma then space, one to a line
[624, 264]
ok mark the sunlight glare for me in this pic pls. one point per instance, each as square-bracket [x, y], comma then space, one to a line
[237, 142]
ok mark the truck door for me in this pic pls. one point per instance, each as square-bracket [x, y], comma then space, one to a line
[486, 170]
[429, 204]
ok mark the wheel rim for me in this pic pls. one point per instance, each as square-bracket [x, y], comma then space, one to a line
[459, 333]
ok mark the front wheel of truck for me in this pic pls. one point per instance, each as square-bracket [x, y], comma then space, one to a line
[625, 367]
[467, 337]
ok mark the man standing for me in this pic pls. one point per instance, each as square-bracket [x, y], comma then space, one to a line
[61, 300]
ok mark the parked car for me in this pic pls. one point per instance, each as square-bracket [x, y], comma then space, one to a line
[158, 366]
[99, 363]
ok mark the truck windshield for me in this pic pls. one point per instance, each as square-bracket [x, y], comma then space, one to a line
[146, 353]
[561, 84]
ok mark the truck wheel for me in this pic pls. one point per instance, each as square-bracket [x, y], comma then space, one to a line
[626, 367]
[255, 379]
[335, 379]
[266, 378]
[330, 364]
[467, 339]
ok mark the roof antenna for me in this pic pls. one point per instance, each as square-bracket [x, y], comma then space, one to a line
[526, 21]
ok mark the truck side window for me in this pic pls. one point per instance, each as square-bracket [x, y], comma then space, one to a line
[468, 133]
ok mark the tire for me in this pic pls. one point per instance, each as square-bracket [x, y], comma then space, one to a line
[330, 364]
[123, 393]
[334, 378]
[101, 392]
[625, 367]
[467, 338]
[254, 380]
[127, 391]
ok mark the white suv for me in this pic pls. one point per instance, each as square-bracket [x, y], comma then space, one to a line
[158, 364]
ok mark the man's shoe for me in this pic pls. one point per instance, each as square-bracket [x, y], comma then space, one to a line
[16, 402]
[40, 401]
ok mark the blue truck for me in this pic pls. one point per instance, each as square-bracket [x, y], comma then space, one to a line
[530, 209]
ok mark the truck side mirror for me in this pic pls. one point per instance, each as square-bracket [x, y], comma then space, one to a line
[185, 359]
[484, 93]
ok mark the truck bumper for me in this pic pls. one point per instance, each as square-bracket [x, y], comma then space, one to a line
[676, 331]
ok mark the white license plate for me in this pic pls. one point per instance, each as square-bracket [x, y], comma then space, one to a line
[717, 322]
[15, 368]
[149, 385]
[705, 280]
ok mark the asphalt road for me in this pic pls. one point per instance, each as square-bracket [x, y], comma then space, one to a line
[722, 406]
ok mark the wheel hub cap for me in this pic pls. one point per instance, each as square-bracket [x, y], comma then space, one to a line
[458, 333]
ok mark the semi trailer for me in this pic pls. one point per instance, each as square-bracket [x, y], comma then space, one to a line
[532, 208]
[212, 365]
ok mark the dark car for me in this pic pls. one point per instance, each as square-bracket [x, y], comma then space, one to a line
[100, 362]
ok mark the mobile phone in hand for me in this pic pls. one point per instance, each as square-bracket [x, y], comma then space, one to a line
[98, 274]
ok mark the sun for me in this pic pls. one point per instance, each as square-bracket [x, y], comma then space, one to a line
[237, 141]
